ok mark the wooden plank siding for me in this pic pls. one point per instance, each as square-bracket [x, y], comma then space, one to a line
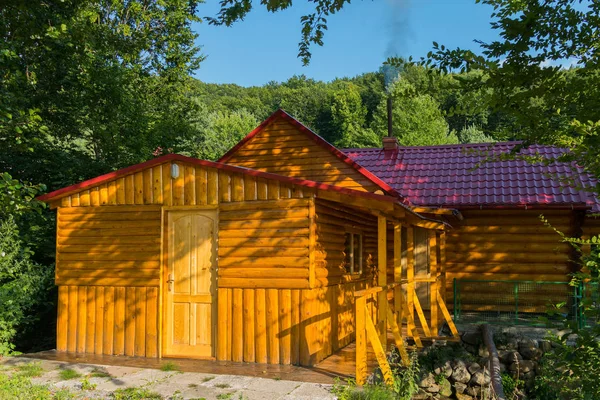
[590, 228]
[326, 318]
[109, 258]
[264, 244]
[507, 245]
[113, 320]
[283, 149]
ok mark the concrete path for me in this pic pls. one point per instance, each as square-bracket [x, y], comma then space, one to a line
[169, 384]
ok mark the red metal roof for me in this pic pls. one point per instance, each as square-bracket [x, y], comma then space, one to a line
[57, 194]
[281, 114]
[449, 176]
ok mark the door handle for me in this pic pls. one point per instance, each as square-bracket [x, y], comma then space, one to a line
[170, 281]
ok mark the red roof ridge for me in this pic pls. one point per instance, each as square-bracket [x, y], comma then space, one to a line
[440, 146]
[228, 167]
[320, 141]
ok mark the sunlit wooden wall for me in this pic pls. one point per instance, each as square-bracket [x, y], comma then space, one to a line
[109, 249]
[507, 245]
[282, 149]
[108, 271]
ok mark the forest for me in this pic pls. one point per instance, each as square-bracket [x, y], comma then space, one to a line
[87, 87]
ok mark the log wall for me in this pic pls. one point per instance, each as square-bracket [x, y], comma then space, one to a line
[332, 221]
[507, 245]
[109, 249]
[264, 244]
[591, 226]
[283, 149]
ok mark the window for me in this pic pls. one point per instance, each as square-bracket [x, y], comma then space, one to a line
[353, 253]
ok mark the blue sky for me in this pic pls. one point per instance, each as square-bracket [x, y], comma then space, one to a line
[263, 47]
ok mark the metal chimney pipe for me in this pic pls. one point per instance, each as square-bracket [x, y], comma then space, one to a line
[389, 116]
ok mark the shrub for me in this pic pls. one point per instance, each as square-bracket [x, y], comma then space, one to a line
[404, 388]
[571, 372]
[24, 284]
[405, 379]
[512, 387]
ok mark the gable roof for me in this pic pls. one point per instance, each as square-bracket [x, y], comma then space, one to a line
[66, 191]
[281, 114]
[450, 176]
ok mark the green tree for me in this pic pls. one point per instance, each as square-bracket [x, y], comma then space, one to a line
[526, 74]
[348, 119]
[24, 284]
[218, 132]
[473, 134]
[417, 118]
[93, 78]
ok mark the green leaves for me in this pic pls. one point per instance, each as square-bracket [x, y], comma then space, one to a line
[543, 73]
[17, 198]
[23, 285]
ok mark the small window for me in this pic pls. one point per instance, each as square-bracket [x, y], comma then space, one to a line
[353, 252]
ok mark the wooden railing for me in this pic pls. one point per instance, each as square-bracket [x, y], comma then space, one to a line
[366, 330]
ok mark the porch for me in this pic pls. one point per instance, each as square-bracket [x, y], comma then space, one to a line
[340, 365]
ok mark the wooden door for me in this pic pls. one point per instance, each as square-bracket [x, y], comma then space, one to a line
[190, 311]
[422, 266]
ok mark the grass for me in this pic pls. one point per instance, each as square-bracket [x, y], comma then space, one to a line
[208, 378]
[170, 366]
[135, 393]
[223, 385]
[68, 374]
[87, 385]
[99, 373]
[193, 385]
[19, 387]
[30, 370]
[224, 396]
[350, 391]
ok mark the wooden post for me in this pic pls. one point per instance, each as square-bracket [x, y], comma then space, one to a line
[433, 289]
[398, 339]
[442, 262]
[410, 277]
[312, 239]
[382, 280]
[360, 304]
[398, 272]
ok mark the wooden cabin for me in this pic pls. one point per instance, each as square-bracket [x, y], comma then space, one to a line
[493, 207]
[179, 257]
[288, 249]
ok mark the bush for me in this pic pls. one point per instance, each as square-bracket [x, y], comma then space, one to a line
[24, 284]
[570, 372]
[404, 388]
[512, 387]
